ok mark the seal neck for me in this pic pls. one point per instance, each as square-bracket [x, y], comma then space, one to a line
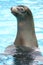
[25, 30]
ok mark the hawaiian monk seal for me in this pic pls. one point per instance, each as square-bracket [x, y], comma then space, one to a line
[26, 32]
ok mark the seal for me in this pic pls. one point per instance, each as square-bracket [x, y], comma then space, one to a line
[25, 27]
[25, 48]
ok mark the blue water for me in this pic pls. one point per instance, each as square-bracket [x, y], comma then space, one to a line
[8, 23]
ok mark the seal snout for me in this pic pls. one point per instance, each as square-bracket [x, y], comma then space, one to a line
[19, 9]
[12, 8]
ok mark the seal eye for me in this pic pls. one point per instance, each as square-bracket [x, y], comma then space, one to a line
[21, 9]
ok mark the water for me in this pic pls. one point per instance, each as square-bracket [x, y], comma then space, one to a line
[8, 26]
[6, 60]
[22, 57]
